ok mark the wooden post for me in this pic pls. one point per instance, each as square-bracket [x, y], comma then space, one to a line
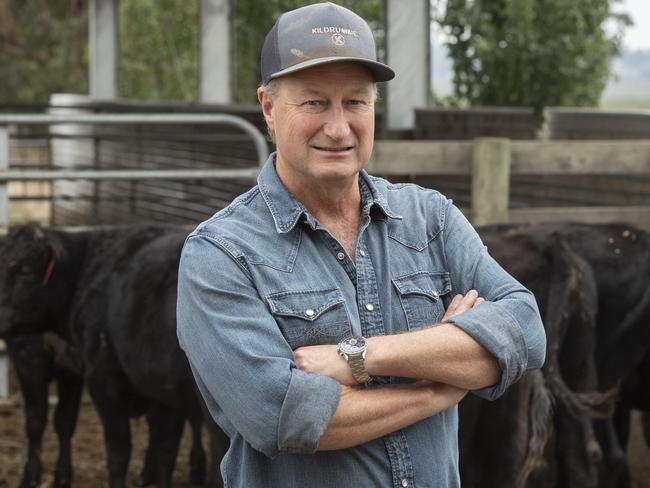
[4, 371]
[490, 181]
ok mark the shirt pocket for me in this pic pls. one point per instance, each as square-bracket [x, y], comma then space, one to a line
[421, 295]
[311, 317]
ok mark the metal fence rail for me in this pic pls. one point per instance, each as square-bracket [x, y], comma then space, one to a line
[164, 148]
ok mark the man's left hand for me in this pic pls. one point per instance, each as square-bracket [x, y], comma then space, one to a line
[324, 360]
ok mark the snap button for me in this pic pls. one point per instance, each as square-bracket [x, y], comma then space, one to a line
[435, 294]
[370, 307]
[405, 482]
[310, 312]
[362, 252]
[340, 256]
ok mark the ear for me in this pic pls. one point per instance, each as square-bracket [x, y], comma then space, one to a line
[267, 106]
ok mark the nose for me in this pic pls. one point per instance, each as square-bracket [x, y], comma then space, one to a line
[336, 126]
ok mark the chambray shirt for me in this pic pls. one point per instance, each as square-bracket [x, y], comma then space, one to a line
[263, 277]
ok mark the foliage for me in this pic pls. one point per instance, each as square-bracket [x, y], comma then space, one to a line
[44, 46]
[42, 49]
[158, 49]
[533, 53]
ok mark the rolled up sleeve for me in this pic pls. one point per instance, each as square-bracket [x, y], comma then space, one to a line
[242, 362]
[508, 324]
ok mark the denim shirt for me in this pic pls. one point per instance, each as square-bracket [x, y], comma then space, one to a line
[263, 277]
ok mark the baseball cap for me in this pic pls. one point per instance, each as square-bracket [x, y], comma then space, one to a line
[319, 34]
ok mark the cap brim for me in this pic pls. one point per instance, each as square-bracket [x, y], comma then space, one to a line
[379, 71]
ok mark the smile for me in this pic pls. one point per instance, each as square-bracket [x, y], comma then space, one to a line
[333, 149]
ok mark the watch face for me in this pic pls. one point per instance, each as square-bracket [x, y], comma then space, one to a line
[354, 345]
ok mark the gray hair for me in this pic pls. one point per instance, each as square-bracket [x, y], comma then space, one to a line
[271, 89]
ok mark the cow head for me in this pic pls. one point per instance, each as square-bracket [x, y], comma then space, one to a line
[28, 266]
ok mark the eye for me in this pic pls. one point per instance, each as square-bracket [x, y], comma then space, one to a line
[314, 103]
[356, 102]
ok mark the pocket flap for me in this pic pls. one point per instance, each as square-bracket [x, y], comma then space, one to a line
[430, 284]
[307, 305]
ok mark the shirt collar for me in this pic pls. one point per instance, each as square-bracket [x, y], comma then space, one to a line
[373, 195]
[287, 211]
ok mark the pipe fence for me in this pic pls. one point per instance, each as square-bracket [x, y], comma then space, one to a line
[113, 168]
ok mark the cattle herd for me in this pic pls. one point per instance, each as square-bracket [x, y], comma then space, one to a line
[97, 308]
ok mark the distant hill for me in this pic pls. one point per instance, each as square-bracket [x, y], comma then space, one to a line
[631, 89]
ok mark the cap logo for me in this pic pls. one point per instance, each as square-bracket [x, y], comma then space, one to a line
[334, 30]
[338, 39]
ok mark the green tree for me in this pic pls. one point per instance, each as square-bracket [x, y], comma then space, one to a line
[44, 46]
[158, 49]
[43, 49]
[532, 53]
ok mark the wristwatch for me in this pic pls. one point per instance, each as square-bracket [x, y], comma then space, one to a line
[353, 350]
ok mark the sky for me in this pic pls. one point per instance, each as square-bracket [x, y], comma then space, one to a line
[638, 35]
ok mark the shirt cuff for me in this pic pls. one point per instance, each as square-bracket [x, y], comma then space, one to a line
[497, 331]
[307, 410]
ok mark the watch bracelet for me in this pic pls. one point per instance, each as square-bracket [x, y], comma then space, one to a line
[359, 370]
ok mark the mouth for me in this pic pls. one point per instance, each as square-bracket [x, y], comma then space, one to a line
[338, 149]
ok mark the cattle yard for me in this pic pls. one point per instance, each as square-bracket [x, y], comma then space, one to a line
[85, 170]
[90, 463]
[87, 449]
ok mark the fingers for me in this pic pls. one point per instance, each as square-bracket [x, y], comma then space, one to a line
[462, 303]
[451, 309]
[466, 302]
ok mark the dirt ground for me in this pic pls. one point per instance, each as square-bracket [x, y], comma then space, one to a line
[89, 454]
[638, 455]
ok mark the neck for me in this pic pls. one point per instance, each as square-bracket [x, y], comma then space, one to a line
[341, 203]
[327, 200]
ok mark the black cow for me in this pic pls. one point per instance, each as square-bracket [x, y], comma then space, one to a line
[566, 293]
[619, 258]
[619, 255]
[502, 443]
[40, 355]
[39, 359]
[115, 292]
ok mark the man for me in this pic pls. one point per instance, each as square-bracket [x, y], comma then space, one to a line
[306, 306]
